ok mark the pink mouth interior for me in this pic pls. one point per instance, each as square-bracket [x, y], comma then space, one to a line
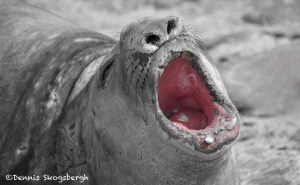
[183, 96]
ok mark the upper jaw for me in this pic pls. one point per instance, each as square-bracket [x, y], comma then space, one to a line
[222, 121]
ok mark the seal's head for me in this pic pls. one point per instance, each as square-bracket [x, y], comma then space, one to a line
[171, 110]
[162, 61]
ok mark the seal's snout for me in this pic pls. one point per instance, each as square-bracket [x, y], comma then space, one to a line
[169, 27]
[147, 35]
[159, 32]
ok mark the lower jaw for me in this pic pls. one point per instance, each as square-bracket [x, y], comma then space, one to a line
[215, 138]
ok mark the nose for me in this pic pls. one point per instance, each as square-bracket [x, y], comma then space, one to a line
[161, 30]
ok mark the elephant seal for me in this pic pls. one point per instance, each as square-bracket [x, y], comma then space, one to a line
[150, 108]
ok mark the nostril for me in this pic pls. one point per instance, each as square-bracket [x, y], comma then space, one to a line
[152, 39]
[172, 24]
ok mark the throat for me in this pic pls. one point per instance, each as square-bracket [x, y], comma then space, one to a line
[183, 96]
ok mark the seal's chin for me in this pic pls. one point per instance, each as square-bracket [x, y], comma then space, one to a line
[183, 96]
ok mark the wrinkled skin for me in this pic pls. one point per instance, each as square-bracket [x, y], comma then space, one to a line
[107, 123]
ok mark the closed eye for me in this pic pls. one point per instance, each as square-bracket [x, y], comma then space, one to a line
[105, 73]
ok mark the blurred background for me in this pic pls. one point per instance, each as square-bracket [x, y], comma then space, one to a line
[256, 47]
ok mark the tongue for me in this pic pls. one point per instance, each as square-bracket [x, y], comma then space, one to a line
[189, 118]
[183, 96]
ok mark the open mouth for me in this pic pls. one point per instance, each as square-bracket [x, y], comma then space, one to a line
[190, 111]
[183, 96]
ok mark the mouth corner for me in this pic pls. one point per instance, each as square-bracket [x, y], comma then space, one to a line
[185, 102]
